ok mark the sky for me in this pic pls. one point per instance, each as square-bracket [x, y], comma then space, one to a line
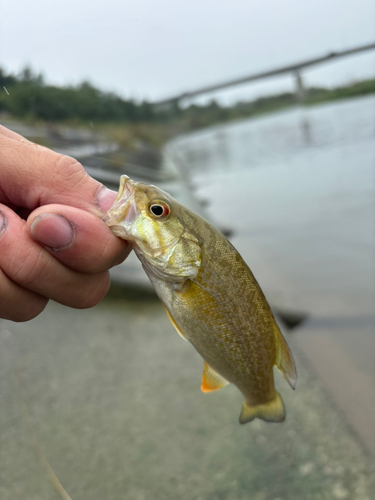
[152, 49]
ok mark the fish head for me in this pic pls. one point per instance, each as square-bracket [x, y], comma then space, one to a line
[153, 222]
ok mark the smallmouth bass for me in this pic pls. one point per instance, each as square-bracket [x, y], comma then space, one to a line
[209, 294]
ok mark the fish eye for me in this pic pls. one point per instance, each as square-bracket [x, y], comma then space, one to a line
[159, 209]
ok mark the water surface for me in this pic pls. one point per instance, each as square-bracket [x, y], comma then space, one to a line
[298, 188]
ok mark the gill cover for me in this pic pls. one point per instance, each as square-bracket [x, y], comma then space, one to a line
[164, 246]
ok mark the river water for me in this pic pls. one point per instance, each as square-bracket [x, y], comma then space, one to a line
[298, 189]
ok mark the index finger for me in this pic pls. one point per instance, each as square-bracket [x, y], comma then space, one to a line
[31, 176]
[12, 135]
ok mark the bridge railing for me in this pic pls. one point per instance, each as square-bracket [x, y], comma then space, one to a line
[291, 68]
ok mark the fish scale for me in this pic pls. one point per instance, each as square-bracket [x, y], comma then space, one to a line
[210, 296]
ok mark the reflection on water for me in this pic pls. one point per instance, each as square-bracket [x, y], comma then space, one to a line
[298, 189]
[305, 126]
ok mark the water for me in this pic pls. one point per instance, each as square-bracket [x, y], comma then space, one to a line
[298, 188]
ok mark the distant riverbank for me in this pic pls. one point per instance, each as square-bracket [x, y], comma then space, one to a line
[26, 97]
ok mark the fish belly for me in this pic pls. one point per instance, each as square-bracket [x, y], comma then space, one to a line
[220, 337]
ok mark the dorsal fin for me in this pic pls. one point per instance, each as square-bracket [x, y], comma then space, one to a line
[211, 380]
[284, 359]
[171, 319]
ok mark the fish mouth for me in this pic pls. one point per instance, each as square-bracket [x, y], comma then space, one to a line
[124, 210]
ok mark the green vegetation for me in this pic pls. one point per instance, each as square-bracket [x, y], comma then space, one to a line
[316, 95]
[26, 96]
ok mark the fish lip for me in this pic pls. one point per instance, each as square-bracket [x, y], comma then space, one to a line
[124, 211]
[126, 189]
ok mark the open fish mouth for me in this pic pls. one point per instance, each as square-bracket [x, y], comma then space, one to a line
[126, 189]
[124, 210]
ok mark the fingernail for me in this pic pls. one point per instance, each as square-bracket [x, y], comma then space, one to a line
[53, 231]
[105, 198]
[3, 222]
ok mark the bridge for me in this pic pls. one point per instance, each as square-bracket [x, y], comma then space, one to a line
[292, 68]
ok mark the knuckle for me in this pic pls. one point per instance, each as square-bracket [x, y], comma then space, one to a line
[69, 173]
[67, 164]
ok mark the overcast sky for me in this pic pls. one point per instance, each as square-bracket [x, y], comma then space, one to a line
[156, 48]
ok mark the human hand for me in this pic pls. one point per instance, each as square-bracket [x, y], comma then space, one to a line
[63, 250]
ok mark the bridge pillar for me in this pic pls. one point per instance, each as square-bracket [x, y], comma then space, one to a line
[300, 88]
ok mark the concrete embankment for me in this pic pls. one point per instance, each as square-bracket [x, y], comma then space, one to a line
[112, 395]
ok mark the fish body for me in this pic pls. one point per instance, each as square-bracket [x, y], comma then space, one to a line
[210, 295]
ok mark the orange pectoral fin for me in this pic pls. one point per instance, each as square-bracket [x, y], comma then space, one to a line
[171, 319]
[211, 380]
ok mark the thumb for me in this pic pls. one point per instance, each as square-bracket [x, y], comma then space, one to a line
[78, 239]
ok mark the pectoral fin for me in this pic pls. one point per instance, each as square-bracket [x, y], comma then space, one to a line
[211, 380]
[284, 359]
[171, 319]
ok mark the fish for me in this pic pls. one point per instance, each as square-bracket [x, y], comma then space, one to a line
[209, 294]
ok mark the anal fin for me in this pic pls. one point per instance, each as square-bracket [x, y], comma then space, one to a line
[171, 319]
[211, 380]
[284, 359]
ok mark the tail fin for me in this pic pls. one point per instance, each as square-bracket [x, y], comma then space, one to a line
[273, 411]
